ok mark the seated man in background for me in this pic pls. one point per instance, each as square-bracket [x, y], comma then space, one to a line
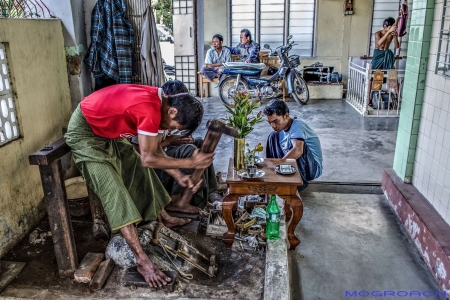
[383, 58]
[177, 144]
[292, 138]
[247, 49]
[215, 57]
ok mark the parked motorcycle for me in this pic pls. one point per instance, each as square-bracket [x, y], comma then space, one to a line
[239, 77]
[169, 71]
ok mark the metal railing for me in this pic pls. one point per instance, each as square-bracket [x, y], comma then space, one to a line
[24, 9]
[359, 91]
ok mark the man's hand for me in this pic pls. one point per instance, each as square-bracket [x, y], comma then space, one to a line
[177, 140]
[201, 160]
[392, 28]
[186, 181]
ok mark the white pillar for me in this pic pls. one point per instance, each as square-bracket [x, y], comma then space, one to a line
[71, 13]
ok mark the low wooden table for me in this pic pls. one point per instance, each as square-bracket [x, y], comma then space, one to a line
[284, 186]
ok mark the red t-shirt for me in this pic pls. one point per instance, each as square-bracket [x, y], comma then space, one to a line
[123, 111]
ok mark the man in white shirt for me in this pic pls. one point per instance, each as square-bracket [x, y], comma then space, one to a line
[215, 57]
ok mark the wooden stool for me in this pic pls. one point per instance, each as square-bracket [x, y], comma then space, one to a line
[203, 80]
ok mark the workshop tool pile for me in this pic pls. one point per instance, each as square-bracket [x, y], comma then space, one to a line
[249, 219]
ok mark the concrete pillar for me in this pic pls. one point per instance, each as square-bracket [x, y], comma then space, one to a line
[422, 14]
[71, 13]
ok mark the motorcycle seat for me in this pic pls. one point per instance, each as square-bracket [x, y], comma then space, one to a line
[244, 66]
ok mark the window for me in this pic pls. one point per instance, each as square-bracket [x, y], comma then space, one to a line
[9, 129]
[383, 9]
[270, 21]
[443, 55]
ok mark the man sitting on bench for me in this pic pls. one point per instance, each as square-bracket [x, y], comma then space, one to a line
[125, 181]
[215, 57]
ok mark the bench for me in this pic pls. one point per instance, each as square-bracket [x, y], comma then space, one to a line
[50, 167]
[203, 80]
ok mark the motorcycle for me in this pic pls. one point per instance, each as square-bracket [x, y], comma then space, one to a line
[169, 71]
[239, 77]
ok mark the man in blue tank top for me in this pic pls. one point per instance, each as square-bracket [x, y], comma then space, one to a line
[293, 138]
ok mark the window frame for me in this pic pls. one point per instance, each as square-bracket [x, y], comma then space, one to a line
[286, 30]
[443, 71]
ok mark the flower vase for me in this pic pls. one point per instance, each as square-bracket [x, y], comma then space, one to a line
[239, 153]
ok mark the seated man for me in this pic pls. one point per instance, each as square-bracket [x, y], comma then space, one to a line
[248, 49]
[183, 146]
[215, 57]
[383, 58]
[124, 181]
[292, 138]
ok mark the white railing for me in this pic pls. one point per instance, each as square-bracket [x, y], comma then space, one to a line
[359, 86]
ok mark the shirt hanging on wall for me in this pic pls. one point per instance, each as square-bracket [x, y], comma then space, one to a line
[152, 72]
[111, 50]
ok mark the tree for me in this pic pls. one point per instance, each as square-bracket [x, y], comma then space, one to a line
[163, 12]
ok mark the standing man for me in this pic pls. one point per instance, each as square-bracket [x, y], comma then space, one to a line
[293, 138]
[215, 57]
[383, 58]
[247, 48]
[124, 181]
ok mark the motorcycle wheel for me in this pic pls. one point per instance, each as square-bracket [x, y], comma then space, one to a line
[227, 90]
[300, 90]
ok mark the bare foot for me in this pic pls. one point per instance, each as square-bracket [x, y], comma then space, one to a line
[170, 221]
[187, 209]
[152, 274]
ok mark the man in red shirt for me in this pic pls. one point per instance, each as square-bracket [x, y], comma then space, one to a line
[125, 181]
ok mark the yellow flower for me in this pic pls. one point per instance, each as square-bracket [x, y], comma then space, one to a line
[259, 148]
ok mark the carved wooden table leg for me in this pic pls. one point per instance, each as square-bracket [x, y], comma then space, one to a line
[292, 218]
[229, 204]
[59, 218]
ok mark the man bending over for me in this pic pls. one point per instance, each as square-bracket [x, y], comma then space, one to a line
[125, 181]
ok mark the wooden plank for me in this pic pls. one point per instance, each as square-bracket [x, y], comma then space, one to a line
[88, 266]
[59, 218]
[10, 270]
[133, 277]
[102, 274]
[49, 153]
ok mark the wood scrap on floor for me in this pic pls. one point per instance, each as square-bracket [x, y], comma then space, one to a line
[103, 272]
[9, 271]
[87, 268]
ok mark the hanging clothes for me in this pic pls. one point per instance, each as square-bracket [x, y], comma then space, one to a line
[402, 20]
[152, 72]
[110, 53]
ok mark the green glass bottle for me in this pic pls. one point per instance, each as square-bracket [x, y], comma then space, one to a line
[273, 219]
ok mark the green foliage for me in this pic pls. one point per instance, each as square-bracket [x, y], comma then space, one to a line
[241, 114]
[163, 10]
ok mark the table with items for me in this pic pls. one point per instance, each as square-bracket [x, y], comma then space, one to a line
[269, 180]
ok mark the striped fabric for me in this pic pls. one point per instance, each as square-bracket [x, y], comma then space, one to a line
[111, 51]
[112, 168]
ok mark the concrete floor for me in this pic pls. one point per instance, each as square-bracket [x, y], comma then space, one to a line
[353, 242]
[348, 139]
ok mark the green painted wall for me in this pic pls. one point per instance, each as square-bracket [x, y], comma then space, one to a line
[414, 85]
